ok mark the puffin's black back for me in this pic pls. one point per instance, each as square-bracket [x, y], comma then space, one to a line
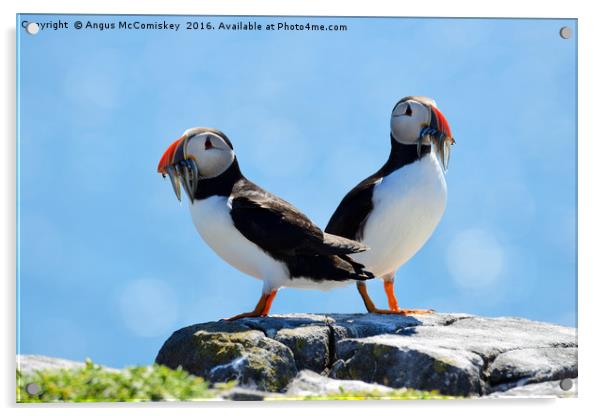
[350, 217]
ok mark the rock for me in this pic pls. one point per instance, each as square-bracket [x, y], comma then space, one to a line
[452, 359]
[533, 365]
[308, 383]
[239, 394]
[309, 345]
[274, 323]
[455, 354]
[365, 325]
[31, 363]
[307, 336]
[489, 337]
[400, 361]
[226, 351]
[545, 389]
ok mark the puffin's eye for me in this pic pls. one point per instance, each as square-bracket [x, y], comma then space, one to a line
[408, 111]
[208, 144]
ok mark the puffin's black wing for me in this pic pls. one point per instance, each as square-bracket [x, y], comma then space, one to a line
[350, 216]
[279, 228]
[319, 268]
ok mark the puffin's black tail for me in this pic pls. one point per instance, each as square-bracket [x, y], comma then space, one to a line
[321, 268]
[359, 269]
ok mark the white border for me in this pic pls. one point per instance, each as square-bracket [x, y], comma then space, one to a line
[590, 179]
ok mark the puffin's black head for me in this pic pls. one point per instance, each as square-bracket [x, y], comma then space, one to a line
[200, 153]
[417, 120]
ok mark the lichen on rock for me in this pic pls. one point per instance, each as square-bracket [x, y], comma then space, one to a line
[222, 352]
[454, 354]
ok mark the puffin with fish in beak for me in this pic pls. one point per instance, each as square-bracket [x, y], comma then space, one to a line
[395, 210]
[253, 230]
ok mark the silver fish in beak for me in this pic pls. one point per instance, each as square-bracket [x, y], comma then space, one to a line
[438, 133]
[190, 175]
[181, 170]
[444, 144]
[175, 181]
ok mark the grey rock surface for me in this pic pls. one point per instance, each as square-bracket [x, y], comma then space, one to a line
[33, 363]
[226, 351]
[308, 383]
[366, 325]
[546, 389]
[27, 364]
[401, 361]
[309, 345]
[455, 354]
[533, 365]
[240, 394]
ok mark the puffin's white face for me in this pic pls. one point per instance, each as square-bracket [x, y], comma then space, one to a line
[199, 154]
[212, 155]
[408, 119]
[416, 120]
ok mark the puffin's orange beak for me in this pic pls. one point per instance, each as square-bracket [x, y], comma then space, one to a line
[442, 124]
[181, 171]
[168, 156]
[440, 136]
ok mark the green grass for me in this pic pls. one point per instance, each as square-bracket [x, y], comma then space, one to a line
[400, 394]
[92, 383]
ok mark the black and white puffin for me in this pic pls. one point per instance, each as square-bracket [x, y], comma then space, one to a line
[395, 210]
[254, 231]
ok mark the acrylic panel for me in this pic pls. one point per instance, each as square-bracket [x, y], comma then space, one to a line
[433, 279]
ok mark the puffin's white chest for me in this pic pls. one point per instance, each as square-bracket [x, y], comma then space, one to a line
[211, 217]
[408, 205]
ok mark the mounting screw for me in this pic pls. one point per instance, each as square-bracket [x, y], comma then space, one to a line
[33, 389]
[566, 384]
[32, 28]
[565, 32]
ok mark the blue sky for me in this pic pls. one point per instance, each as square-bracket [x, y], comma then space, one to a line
[109, 262]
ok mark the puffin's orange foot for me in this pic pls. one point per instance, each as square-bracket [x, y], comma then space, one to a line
[402, 312]
[416, 311]
[393, 306]
[262, 309]
[384, 312]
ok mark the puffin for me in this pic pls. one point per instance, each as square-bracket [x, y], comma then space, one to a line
[253, 230]
[395, 210]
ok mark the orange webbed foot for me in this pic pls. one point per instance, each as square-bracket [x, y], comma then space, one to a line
[402, 312]
[262, 309]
